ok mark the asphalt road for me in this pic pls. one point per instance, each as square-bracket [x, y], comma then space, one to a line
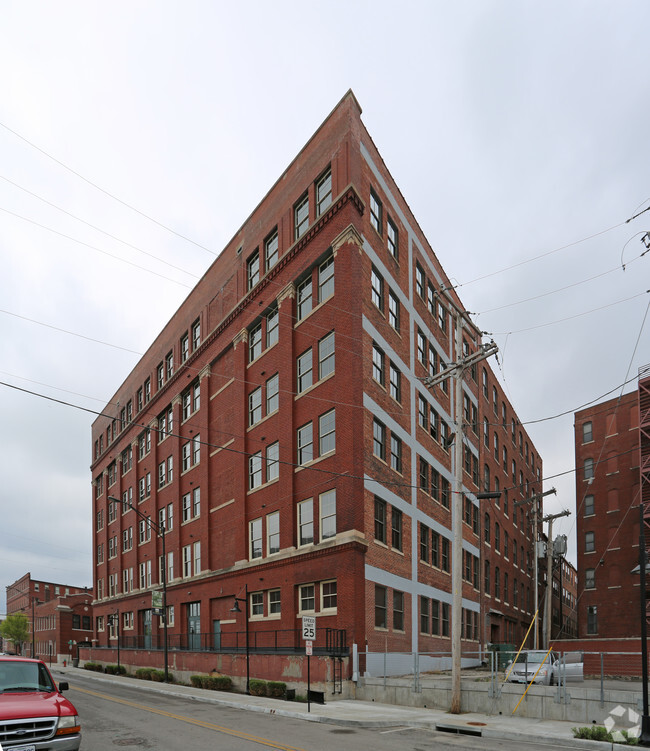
[124, 717]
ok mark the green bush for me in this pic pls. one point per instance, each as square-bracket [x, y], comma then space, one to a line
[144, 673]
[197, 680]
[258, 687]
[222, 682]
[94, 666]
[115, 669]
[276, 689]
[212, 682]
[599, 733]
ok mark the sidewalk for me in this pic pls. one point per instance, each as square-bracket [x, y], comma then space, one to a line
[363, 714]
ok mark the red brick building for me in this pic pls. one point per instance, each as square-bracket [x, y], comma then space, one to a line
[48, 604]
[280, 430]
[608, 439]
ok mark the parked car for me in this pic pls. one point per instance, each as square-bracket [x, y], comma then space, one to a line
[34, 714]
[569, 667]
[533, 664]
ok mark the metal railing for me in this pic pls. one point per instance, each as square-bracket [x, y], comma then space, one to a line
[328, 641]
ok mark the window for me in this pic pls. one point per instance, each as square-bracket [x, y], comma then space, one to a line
[592, 619]
[486, 529]
[380, 606]
[590, 542]
[305, 444]
[197, 557]
[307, 598]
[272, 327]
[169, 365]
[589, 505]
[380, 520]
[271, 250]
[140, 402]
[589, 469]
[398, 611]
[196, 336]
[445, 557]
[306, 522]
[326, 355]
[378, 367]
[377, 289]
[185, 347]
[253, 269]
[442, 316]
[590, 578]
[323, 192]
[144, 443]
[421, 344]
[326, 279]
[304, 368]
[304, 298]
[392, 238]
[425, 615]
[255, 342]
[424, 542]
[587, 433]
[497, 537]
[327, 433]
[419, 280]
[328, 595]
[187, 561]
[395, 385]
[395, 453]
[379, 439]
[144, 531]
[272, 461]
[301, 217]
[160, 376]
[255, 470]
[272, 394]
[393, 310]
[396, 529]
[255, 536]
[191, 400]
[255, 406]
[375, 211]
[275, 605]
[273, 533]
[497, 583]
[327, 514]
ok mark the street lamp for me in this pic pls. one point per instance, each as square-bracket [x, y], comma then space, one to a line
[159, 529]
[644, 738]
[237, 609]
[114, 618]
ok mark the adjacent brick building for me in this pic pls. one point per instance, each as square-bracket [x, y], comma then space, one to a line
[611, 456]
[59, 611]
[280, 430]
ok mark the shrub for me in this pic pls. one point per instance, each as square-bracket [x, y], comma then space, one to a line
[221, 682]
[276, 689]
[197, 680]
[599, 733]
[94, 666]
[159, 676]
[144, 673]
[257, 687]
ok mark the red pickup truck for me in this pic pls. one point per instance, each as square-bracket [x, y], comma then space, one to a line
[34, 714]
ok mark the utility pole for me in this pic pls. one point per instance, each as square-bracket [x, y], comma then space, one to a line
[457, 370]
[549, 576]
[535, 499]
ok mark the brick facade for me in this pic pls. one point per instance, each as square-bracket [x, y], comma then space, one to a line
[607, 440]
[300, 420]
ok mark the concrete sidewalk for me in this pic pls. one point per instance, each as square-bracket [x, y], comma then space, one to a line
[362, 713]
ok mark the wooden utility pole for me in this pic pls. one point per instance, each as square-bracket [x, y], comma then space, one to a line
[456, 371]
[549, 576]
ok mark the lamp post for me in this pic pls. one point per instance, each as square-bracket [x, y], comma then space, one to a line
[644, 738]
[159, 529]
[114, 618]
[237, 609]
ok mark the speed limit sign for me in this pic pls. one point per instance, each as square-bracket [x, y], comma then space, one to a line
[308, 627]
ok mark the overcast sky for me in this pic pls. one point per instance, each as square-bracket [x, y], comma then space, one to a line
[513, 129]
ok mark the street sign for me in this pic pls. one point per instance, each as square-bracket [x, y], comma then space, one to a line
[308, 647]
[308, 627]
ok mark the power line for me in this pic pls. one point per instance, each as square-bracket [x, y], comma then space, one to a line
[98, 229]
[106, 192]
[92, 247]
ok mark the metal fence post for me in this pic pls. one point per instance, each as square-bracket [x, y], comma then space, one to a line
[602, 679]
[385, 656]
